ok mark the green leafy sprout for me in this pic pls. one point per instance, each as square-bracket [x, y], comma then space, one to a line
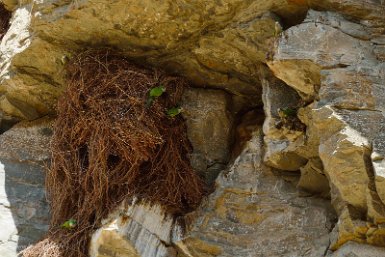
[287, 112]
[174, 111]
[153, 94]
[69, 224]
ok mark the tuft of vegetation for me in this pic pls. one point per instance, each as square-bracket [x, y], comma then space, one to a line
[172, 112]
[69, 224]
[287, 112]
[289, 119]
[154, 94]
[108, 147]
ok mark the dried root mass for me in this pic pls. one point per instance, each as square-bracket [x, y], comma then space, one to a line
[108, 146]
[5, 16]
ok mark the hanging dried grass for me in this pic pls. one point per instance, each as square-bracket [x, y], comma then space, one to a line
[5, 16]
[108, 146]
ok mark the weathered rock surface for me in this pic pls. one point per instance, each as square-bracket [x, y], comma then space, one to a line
[334, 61]
[298, 61]
[209, 120]
[24, 216]
[352, 249]
[254, 211]
[281, 142]
[139, 230]
[313, 178]
[220, 44]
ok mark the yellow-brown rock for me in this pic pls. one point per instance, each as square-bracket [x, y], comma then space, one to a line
[332, 62]
[323, 58]
[220, 44]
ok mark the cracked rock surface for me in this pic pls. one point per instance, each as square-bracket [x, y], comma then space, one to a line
[308, 182]
[340, 73]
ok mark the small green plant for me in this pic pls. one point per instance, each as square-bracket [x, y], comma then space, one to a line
[157, 91]
[69, 224]
[287, 112]
[174, 111]
[153, 94]
[288, 119]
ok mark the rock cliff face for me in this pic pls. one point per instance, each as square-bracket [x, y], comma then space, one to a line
[306, 178]
[24, 216]
[343, 77]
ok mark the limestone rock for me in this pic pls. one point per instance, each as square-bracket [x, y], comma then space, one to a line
[24, 215]
[220, 44]
[329, 47]
[139, 230]
[29, 94]
[281, 142]
[354, 88]
[341, 72]
[209, 122]
[252, 208]
[313, 178]
[334, 62]
[352, 249]
[369, 13]
[256, 211]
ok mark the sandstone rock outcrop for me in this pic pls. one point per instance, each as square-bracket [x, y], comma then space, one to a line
[324, 59]
[210, 121]
[252, 208]
[220, 44]
[343, 75]
[256, 211]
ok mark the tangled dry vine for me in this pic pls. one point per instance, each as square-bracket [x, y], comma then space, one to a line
[108, 147]
[5, 16]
